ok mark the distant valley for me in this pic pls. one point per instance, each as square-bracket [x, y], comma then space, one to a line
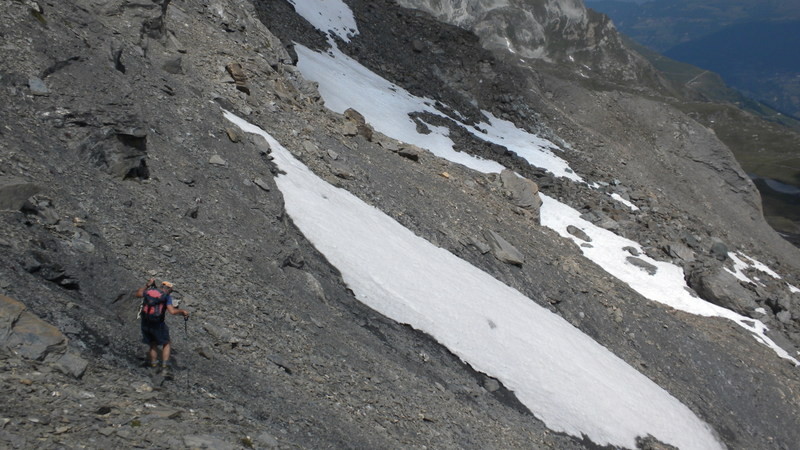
[754, 46]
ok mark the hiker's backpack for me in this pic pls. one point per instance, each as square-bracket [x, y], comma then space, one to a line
[154, 305]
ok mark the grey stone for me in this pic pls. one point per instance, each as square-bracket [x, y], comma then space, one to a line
[342, 171]
[607, 223]
[220, 333]
[482, 246]
[217, 161]
[267, 440]
[784, 317]
[80, 241]
[411, 152]
[10, 310]
[262, 184]
[71, 364]
[239, 78]
[720, 287]
[354, 116]
[207, 441]
[642, 264]
[279, 361]
[387, 142]
[349, 129]
[491, 384]
[120, 147]
[15, 191]
[691, 240]
[680, 251]
[578, 233]
[310, 147]
[524, 192]
[38, 86]
[173, 65]
[632, 250]
[503, 250]
[314, 286]
[719, 250]
[28, 335]
[233, 135]
[48, 215]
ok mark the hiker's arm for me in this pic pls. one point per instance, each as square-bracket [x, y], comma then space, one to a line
[140, 291]
[173, 310]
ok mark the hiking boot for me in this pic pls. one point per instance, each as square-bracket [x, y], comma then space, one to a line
[166, 372]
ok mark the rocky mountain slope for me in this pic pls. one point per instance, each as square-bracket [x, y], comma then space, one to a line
[117, 166]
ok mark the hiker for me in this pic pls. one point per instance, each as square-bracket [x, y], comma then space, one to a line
[155, 304]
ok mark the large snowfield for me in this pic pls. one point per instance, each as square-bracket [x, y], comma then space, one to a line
[566, 379]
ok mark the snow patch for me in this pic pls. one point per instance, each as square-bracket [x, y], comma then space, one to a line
[345, 83]
[742, 262]
[329, 16]
[566, 379]
[666, 286]
[619, 198]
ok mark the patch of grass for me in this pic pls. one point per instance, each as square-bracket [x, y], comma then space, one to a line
[762, 148]
[39, 16]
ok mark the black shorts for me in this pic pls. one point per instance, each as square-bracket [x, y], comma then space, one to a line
[155, 333]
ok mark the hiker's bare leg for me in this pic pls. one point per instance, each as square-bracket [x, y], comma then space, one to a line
[152, 354]
[165, 352]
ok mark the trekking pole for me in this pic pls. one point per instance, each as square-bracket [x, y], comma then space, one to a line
[186, 330]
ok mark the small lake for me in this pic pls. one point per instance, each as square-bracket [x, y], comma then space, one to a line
[781, 203]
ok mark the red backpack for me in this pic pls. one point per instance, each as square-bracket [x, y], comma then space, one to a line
[154, 305]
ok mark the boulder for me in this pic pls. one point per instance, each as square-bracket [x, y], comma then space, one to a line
[71, 364]
[719, 250]
[26, 334]
[173, 65]
[10, 311]
[349, 129]
[217, 160]
[720, 287]
[342, 171]
[409, 151]
[784, 317]
[207, 441]
[578, 233]
[504, 251]
[680, 251]
[15, 191]
[38, 87]
[262, 184]
[355, 116]
[632, 250]
[239, 78]
[120, 148]
[482, 246]
[523, 192]
[642, 264]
